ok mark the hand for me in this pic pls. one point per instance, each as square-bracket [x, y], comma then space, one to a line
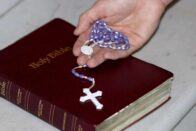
[138, 19]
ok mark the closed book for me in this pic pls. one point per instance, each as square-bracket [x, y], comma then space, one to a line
[35, 74]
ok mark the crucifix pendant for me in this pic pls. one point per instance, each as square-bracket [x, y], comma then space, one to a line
[92, 96]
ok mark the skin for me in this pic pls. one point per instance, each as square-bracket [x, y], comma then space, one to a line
[138, 19]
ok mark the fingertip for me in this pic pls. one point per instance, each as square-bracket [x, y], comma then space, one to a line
[96, 60]
[85, 21]
[107, 55]
[76, 47]
[91, 64]
[83, 26]
[110, 56]
[81, 61]
[76, 52]
[77, 31]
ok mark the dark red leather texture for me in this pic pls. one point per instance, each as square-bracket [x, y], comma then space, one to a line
[122, 81]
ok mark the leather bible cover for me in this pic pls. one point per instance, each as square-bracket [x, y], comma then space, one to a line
[35, 74]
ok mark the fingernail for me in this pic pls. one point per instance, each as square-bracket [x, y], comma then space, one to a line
[91, 64]
[75, 32]
[76, 52]
[80, 61]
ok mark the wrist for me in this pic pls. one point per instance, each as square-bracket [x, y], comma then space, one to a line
[166, 2]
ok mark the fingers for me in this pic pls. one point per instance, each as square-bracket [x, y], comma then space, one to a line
[79, 42]
[97, 58]
[100, 55]
[115, 54]
[83, 59]
[86, 20]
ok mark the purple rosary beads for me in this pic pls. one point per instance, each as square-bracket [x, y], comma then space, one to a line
[103, 36]
[75, 73]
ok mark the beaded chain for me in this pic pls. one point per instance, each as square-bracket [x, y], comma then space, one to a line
[102, 36]
[81, 76]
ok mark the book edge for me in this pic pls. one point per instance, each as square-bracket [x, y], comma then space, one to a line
[168, 81]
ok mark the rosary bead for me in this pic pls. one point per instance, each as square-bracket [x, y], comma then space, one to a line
[101, 32]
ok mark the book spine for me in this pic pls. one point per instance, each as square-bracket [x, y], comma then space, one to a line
[41, 108]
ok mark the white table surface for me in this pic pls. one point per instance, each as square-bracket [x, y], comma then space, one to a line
[172, 47]
[188, 122]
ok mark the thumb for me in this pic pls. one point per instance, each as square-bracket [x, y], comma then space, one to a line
[86, 20]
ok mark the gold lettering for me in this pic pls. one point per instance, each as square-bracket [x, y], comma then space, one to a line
[2, 88]
[28, 101]
[40, 108]
[19, 97]
[48, 58]
[52, 55]
[10, 86]
[53, 115]
[50, 113]
[25, 101]
[74, 121]
[64, 120]
[80, 128]
[33, 65]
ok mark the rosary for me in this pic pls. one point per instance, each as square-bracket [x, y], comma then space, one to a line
[103, 36]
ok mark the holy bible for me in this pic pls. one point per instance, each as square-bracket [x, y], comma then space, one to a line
[35, 74]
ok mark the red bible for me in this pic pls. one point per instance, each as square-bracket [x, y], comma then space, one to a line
[35, 74]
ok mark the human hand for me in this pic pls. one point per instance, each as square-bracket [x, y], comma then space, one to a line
[138, 19]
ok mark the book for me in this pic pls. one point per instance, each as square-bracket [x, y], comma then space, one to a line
[35, 74]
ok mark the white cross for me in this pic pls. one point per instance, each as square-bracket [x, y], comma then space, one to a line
[92, 97]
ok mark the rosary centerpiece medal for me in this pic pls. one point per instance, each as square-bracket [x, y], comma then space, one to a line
[102, 36]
